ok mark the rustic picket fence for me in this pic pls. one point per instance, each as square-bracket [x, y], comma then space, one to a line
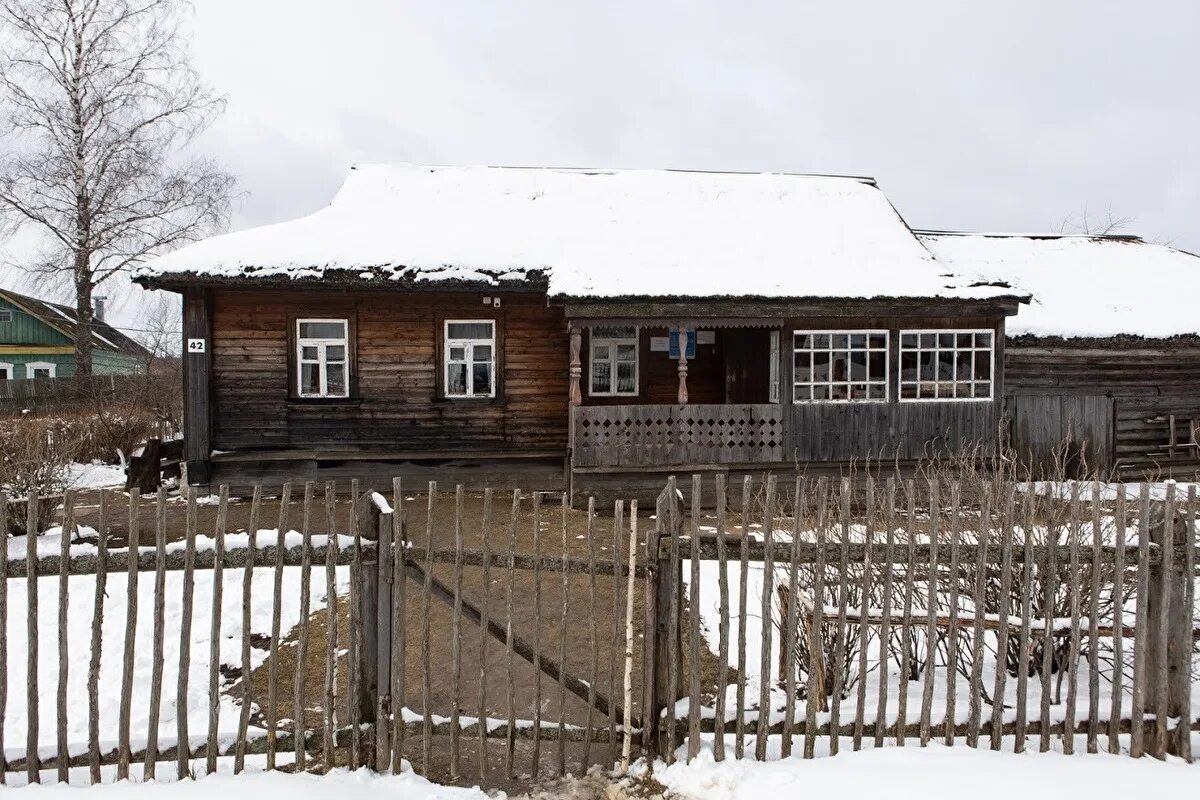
[860, 608]
[371, 715]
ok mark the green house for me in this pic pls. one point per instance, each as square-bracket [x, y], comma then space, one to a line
[37, 340]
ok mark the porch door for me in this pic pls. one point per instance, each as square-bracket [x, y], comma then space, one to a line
[747, 364]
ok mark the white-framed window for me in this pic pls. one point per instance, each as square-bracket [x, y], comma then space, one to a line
[321, 358]
[6, 315]
[469, 355]
[840, 366]
[6, 371]
[41, 369]
[613, 362]
[947, 364]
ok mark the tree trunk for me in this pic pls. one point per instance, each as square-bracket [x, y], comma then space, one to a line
[83, 310]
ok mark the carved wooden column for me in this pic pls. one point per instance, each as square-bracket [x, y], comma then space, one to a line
[683, 368]
[576, 367]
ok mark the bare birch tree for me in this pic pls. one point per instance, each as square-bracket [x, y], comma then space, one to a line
[98, 98]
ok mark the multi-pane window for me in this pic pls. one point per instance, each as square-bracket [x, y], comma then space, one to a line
[614, 362]
[840, 366]
[321, 348]
[946, 364]
[470, 358]
[5, 315]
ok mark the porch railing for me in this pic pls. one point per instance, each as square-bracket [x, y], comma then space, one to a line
[645, 435]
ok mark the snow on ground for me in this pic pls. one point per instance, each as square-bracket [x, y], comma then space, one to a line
[337, 785]
[1108, 491]
[94, 476]
[81, 593]
[917, 772]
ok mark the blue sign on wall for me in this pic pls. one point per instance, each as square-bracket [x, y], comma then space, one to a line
[673, 347]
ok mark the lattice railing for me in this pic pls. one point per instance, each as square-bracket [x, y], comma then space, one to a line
[644, 435]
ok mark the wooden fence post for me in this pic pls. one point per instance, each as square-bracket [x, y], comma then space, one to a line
[650, 667]
[1169, 639]
[383, 637]
[368, 514]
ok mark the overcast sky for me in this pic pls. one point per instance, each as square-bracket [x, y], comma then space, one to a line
[990, 116]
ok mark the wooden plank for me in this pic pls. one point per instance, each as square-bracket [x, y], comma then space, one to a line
[356, 667]
[562, 648]
[593, 641]
[272, 710]
[863, 628]
[839, 647]
[300, 682]
[979, 601]
[1137, 742]
[510, 682]
[378, 641]
[953, 634]
[329, 695]
[627, 721]
[184, 746]
[239, 762]
[1184, 621]
[885, 630]
[931, 616]
[1121, 515]
[816, 648]
[1003, 609]
[149, 766]
[652, 620]
[723, 623]
[1024, 636]
[456, 635]
[1093, 730]
[68, 530]
[214, 647]
[1160, 646]
[739, 745]
[399, 616]
[791, 612]
[426, 671]
[1073, 648]
[1048, 612]
[123, 724]
[536, 755]
[768, 627]
[906, 634]
[670, 584]
[485, 535]
[618, 516]
[693, 744]
[4, 631]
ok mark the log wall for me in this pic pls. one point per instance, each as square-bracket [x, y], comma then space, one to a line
[395, 398]
[1123, 396]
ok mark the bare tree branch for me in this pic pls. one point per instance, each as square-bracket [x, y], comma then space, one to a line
[98, 97]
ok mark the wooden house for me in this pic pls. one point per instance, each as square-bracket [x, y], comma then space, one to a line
[1103, 367]
[584, 329]
[37, 341]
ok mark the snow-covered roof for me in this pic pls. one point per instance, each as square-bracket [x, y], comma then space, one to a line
[594, 233]
[1083, 286]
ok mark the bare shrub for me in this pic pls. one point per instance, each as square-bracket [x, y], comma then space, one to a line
[35, 456]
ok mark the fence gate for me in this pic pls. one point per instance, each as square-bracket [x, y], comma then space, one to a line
[873, 613]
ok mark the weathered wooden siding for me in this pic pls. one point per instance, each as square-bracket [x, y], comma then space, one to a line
[1073, 433]
[847, 431]
[1143, 385]
[395, 402]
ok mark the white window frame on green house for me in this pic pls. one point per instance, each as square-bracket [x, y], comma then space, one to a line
[7, 369]
[808, 344]
[610, 343]
[6, 315]
[318, 356]
[466, 352]
[32, 367]
[919, 342]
